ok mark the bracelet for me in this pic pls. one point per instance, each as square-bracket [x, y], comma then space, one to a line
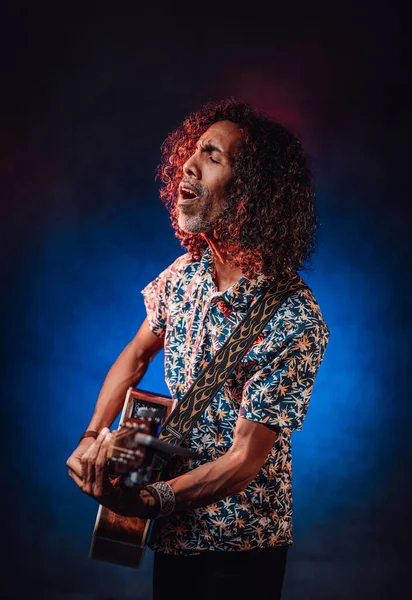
[89, 433]
[166, 497]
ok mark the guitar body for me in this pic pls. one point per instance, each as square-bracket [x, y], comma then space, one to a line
[119, 540]
[123, 540]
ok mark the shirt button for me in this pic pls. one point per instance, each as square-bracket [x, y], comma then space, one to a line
[223, 307]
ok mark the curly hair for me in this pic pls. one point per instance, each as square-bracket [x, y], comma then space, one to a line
[268, 224]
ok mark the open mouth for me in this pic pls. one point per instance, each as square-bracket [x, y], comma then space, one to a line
[187, 194]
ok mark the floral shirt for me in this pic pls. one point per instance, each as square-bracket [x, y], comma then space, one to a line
[272, 384]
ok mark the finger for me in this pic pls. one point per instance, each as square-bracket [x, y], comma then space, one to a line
[77, 480]
[75, 465]
[88, 462]
[100, 477]
[74, 461]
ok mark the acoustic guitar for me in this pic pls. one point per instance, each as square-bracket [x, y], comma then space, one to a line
[123, 540]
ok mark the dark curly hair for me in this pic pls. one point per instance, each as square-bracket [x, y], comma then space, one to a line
[268, 225]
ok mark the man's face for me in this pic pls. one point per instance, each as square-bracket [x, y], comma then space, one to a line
[206, 175]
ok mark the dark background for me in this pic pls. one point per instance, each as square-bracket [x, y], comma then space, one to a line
[88, 94]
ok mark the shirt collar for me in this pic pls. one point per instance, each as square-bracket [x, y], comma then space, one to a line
[241, 294]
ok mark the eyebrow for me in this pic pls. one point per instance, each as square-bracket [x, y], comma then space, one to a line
[210, 147]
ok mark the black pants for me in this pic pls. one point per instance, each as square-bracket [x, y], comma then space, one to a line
[246, 575]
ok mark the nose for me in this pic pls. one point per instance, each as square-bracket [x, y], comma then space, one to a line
[191, 167]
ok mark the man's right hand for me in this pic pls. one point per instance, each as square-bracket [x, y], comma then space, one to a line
[74, 461]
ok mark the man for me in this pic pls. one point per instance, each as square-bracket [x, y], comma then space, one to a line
[239, 194]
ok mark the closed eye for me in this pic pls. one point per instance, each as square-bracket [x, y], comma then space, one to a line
[210, 148]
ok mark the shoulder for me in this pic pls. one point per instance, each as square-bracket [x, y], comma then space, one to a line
[305, 307]
[299, 313]
[183, 263]
[173, 281]
[167, 290]
[180, 272]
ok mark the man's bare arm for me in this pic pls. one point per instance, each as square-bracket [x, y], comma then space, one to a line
[230, 473]
[127, 370]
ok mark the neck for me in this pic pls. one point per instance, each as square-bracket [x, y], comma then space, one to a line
[225, 274]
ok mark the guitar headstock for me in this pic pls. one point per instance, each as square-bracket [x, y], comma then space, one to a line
[127, 456]
[143, 416]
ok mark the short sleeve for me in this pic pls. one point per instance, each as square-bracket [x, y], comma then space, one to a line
[158, 294]
[279, 393]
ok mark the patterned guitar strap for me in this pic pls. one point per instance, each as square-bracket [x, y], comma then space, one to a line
[211, 379]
